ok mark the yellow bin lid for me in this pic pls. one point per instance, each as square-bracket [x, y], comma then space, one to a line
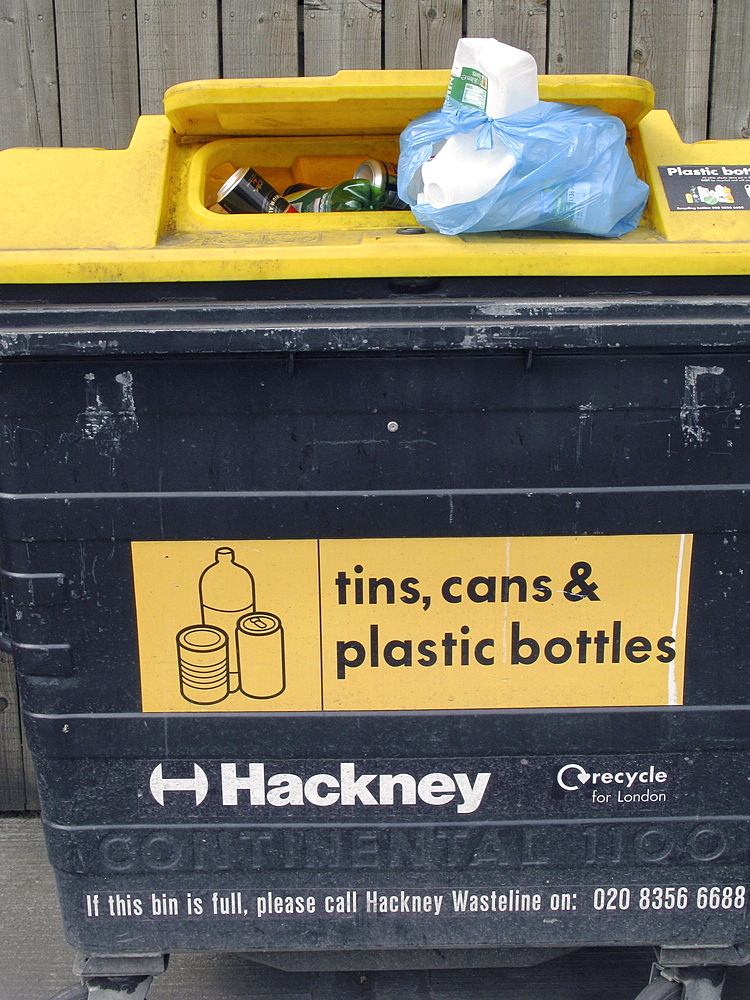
[145, 213]
[348, 104]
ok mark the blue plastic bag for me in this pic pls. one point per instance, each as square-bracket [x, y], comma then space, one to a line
[572, 171]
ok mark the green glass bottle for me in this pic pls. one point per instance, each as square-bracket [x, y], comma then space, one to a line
[355, 195]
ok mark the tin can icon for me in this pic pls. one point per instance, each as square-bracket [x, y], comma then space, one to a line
[260, 655]
[203, 656]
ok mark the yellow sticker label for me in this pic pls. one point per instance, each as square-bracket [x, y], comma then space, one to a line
[394, 624]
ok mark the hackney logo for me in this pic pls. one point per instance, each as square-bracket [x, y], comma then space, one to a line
[257, 785]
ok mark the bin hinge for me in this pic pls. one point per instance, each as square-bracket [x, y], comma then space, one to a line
[528, 359]
[52, 660]
[34, 589]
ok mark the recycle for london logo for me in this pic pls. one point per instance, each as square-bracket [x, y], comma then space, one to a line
[618, 784]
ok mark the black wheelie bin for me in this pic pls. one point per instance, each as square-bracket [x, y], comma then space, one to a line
[378, 597]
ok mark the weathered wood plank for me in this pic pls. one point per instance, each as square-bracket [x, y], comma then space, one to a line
[730, 90]
[423, 35]
[671, 47]
[29, 775]
[178, 40]
[259, 38]
[341, 34]
[12, 787]
[522, 23]
[401, 35]
[28, 74]
[98, 71]
[440, 30]
[589, 36]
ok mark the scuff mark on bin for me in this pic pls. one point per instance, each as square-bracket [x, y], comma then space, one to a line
[15, 343]
[501, 308]
[480, 337]
[585, 411]
[690, 417]
[127, 410]
[98, 423]
[14, 436]
[96, 417]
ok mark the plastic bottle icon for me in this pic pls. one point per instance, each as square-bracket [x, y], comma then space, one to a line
[227, 593]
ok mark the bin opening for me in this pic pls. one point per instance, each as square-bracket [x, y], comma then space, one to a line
[314, 170]
[318, 130]
[315, 161]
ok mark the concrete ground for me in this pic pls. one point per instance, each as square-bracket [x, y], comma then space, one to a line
[35, 960]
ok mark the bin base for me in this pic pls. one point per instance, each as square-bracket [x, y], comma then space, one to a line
[411, 959]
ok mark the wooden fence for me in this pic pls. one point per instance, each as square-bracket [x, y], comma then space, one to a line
[17, 782]
[78, 72]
